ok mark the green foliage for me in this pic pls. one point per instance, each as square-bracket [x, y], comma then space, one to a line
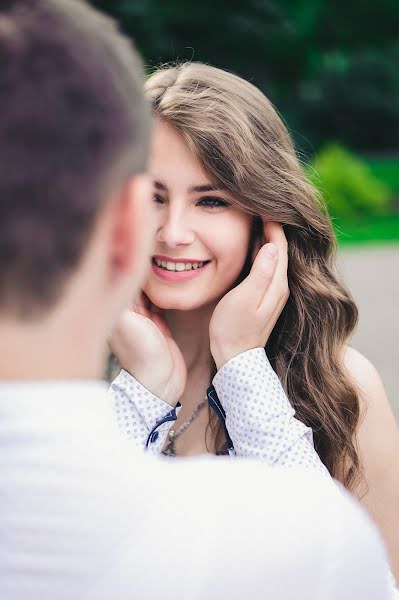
[387, 170]
[354, 97]
[330, 66]
[348, 185]
[368, 230]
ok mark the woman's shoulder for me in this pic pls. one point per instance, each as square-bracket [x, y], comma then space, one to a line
[377, 441]
[377, 423]
[364, 376]
[373, 400]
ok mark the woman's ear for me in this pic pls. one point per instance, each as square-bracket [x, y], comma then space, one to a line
[256, 241]
[257, 238]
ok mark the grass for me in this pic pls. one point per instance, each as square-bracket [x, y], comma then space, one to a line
[370, 230]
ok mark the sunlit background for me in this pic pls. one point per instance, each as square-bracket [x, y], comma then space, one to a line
[332, 70]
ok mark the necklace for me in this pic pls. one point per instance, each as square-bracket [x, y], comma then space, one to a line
[174, 434]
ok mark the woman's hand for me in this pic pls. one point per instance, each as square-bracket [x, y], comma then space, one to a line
[144, 346]
[244, 318]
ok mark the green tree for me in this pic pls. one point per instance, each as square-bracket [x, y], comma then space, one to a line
[348, 186]
[330, 66]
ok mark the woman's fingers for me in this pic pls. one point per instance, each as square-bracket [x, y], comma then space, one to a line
[277, 292]
[162, 325]
[269, 267]
[141, 305]
[255, 285]
[145, 308]
[274, 233]
[139, 310]
[245, 317]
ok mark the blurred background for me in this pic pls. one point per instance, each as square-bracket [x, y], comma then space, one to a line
[331, 67]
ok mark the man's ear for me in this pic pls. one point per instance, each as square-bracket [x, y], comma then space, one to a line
[131, 228]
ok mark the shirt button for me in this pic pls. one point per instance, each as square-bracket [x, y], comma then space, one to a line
[154, 436]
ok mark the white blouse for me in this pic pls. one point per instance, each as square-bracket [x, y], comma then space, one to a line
[259, 417]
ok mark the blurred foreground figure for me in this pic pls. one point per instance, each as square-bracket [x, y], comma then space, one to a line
[79, 517]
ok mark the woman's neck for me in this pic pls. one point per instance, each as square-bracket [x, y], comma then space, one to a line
[191, 333]
[190, 330]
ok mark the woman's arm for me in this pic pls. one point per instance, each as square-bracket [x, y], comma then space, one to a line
[143, 344]
[141, 416]
[259, 417]
[378, 444]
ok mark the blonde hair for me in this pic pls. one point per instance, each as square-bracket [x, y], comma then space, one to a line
[243, 146]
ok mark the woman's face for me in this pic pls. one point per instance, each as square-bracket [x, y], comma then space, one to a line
[202, 241]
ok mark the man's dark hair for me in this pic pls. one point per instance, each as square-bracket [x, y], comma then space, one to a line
[74, 125]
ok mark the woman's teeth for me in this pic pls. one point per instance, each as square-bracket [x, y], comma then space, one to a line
[172, 266]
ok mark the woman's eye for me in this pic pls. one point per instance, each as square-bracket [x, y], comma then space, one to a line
[158, 199]
[210, 202]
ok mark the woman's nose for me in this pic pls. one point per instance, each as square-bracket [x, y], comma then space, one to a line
[175, 230]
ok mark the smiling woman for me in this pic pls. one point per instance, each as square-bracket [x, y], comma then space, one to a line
[202, 239]
[232, 205]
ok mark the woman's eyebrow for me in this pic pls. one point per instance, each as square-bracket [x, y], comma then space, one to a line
[204, 188]
[192, 190]
[159, 186]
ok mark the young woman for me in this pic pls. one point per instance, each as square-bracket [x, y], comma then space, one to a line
[235, 220]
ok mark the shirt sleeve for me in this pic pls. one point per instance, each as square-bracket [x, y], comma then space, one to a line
[259, 417]
[142, 417]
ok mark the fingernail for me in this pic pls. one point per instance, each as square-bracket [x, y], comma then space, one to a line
[271, 250]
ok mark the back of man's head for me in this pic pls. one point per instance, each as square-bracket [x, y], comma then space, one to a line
[74, 125]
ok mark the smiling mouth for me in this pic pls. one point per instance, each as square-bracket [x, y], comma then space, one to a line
[178, 266]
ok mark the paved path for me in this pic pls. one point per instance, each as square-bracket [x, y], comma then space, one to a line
[372, 275]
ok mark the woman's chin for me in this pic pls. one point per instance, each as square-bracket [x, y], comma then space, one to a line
[169, 302]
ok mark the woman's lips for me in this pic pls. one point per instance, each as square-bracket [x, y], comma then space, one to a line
[177, 275]
[178, 260]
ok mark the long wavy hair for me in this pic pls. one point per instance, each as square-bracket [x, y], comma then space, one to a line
[243, 146]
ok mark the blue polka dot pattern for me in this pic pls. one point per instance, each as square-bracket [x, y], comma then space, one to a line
[138, 411]
[259, 417]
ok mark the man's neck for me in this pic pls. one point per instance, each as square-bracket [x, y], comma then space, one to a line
[51, 350]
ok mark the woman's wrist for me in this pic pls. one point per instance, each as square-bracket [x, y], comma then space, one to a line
[223, 354]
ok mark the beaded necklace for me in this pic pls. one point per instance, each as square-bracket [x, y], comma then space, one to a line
[174, 434]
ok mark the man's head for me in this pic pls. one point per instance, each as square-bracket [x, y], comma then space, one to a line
[74, 133]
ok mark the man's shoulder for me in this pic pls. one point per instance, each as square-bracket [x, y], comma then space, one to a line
[206, 527]
[300, 533]
[293, 532]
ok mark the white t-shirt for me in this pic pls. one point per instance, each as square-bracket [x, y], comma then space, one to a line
[85, 516]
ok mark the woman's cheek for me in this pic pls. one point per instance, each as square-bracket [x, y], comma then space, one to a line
[231, 268]
[232, 244]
